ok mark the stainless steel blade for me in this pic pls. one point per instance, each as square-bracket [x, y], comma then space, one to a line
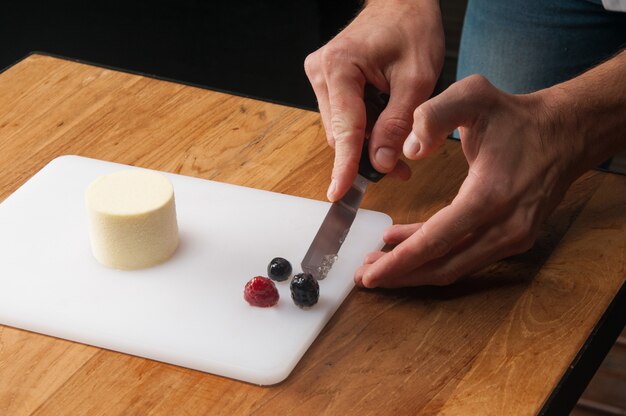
[323, 250]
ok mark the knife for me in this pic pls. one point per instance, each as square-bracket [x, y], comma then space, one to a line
[323, 250]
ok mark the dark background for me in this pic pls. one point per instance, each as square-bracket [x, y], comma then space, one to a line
[254, 48]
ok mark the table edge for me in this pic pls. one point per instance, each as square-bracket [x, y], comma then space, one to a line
[588, 359]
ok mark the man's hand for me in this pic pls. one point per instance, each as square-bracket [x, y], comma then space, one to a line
[519, 170]
[396, 46]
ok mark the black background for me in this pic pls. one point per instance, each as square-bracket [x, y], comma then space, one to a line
[254, 48]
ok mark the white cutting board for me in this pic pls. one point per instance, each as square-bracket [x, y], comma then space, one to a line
[188, 311]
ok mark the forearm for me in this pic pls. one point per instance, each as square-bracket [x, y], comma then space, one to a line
[396, 3]
[405, 7]
[589, 112]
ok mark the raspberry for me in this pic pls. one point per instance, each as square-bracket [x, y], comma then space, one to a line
[305, 291]
[261, 291]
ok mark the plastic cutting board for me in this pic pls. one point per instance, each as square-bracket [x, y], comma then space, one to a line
[188, 311]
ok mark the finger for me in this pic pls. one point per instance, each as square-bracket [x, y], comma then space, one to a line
[494, 244]
[437, 236]
[402, 171]
[372, 257]
[395, 122]
[358, 275]
[459, 105]
[318, 82]
[360, 272]
[400, 232]
[347, 120]
[374, 106]
[322, 102]
[369, 259]
[429, 273]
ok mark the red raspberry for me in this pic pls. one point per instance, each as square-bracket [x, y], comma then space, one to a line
[261, 291]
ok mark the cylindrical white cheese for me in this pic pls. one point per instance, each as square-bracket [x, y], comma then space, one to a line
[132, 219]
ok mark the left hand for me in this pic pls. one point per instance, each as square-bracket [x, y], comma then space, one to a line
[519, 170]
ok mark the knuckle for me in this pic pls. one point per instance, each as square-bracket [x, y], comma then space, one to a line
[422, 112]
[438, 247]
[395, 128]
[400, 253]
[424, 121]
[477, 85]
[446, 276]
[344, 131]
[421, 81]
[310, 64]
[477, 81]
[495, 191]
[340, 128]
[520, 237]
[313, 71]
[435, 246]
[345, 103]
[333, 52]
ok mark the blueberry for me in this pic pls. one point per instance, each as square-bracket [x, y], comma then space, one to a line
[279, 269]
[305, 291]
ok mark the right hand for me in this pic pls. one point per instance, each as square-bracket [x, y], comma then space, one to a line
[397, 47]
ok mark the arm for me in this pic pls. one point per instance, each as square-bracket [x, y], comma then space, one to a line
[394, 45]
[591, 109]
[523, 151]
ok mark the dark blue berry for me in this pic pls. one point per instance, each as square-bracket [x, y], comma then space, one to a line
[279, 269]
[305, 291]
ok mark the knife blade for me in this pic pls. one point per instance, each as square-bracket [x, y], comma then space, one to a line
[323, 251]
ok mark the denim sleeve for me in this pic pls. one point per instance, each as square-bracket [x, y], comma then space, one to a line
[522, 46]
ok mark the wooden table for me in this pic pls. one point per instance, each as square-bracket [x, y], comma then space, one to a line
[521, 337]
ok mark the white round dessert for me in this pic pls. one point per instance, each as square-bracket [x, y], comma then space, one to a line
[132, 219]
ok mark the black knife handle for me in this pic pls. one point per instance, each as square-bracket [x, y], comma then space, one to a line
[365, 165]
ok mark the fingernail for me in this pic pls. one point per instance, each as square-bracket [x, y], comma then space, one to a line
[368, 282]
[412, 146]
[332, 189]
[386, 157]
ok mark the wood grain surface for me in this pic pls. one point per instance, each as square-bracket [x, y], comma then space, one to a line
[497, 343]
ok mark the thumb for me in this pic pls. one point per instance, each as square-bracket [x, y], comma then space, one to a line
[458, 106]
[394, 123]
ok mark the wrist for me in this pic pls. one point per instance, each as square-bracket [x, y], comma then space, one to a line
[396, 3]
[588, 113]
[560, 125]
[404, 7]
